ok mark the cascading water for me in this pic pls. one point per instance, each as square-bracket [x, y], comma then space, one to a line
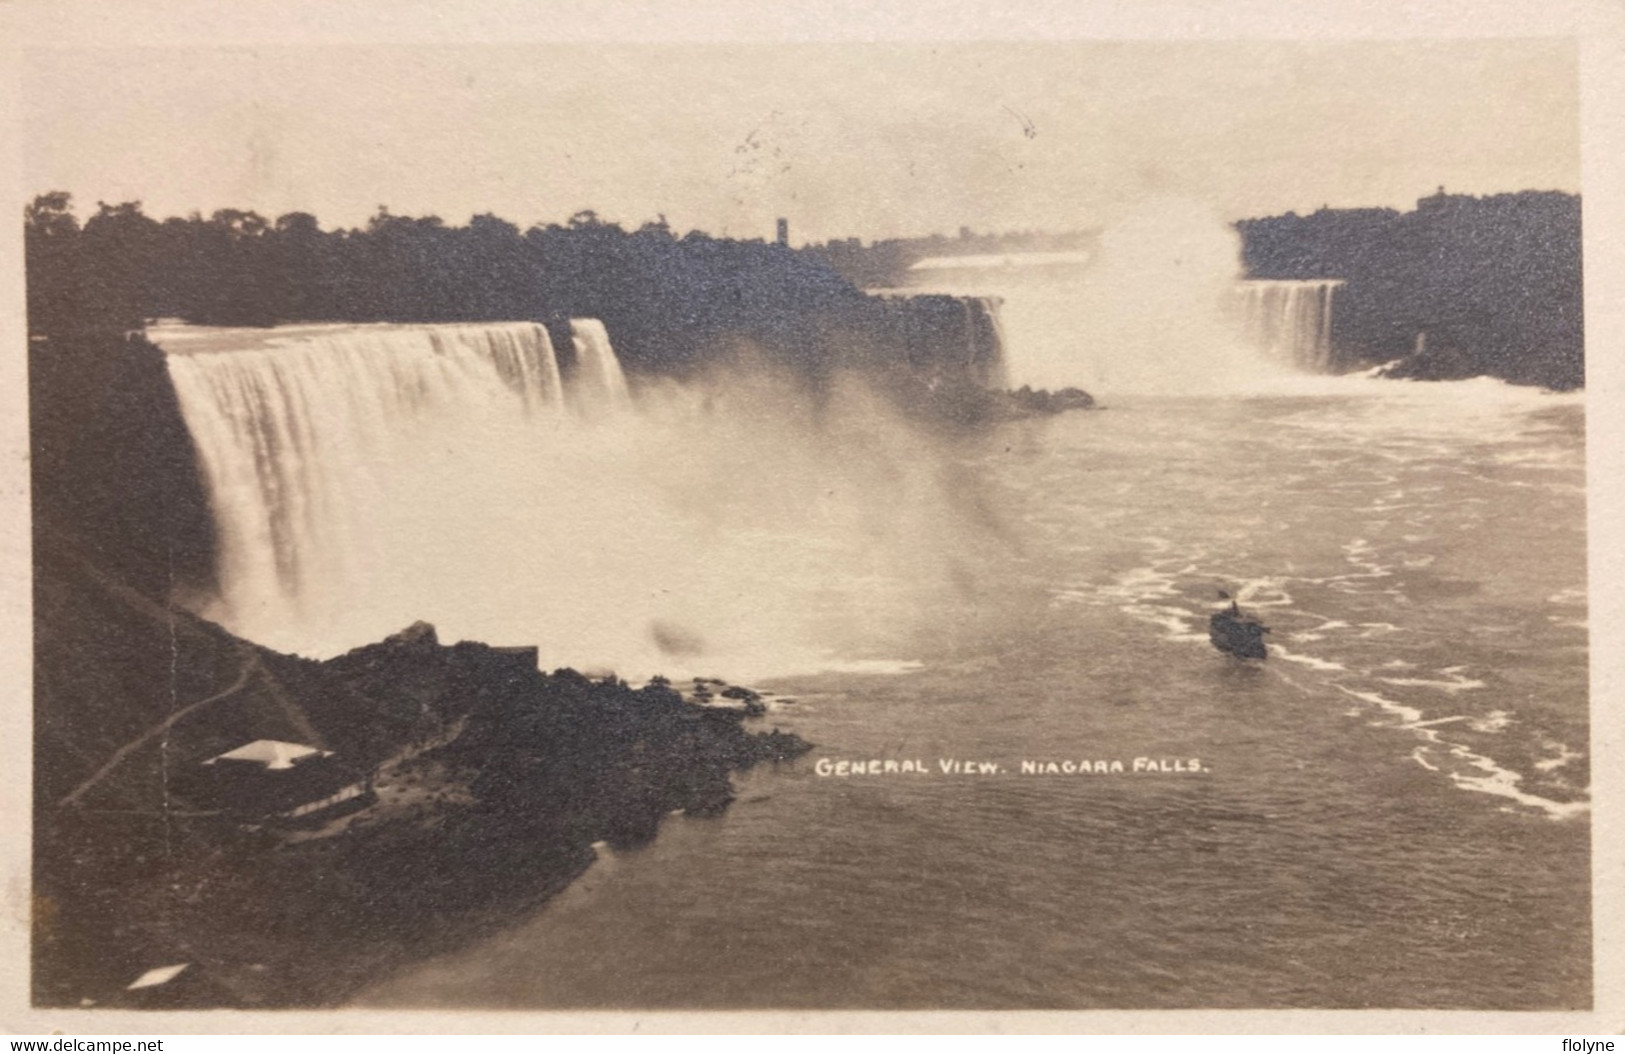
[984, 352]
[1157, 307]
[366, 477]
[597, 374]
[948, 337]
[1291, 321]
[307, 437]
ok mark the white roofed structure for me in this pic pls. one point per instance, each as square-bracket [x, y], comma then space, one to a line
[157, 976]
[271, 753]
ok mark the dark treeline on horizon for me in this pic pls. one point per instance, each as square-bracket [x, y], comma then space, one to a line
[1493, 284]
[112, 453]
[668, 300]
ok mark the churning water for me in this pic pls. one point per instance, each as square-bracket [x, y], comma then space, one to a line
[1388, 812]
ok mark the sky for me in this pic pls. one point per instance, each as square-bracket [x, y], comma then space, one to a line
[844, 139]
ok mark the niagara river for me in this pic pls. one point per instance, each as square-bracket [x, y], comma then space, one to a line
[1055, 792]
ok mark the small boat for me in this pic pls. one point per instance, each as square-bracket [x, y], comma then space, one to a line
[1236, 633]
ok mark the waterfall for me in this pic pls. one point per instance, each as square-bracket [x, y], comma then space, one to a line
[597, 376]
[314, 439]
[984, 335]
[1290, 321]
[365, 477]
[947, 337]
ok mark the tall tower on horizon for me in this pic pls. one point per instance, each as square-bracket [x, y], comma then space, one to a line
[784, 231]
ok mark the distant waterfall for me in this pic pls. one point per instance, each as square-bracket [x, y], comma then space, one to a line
[597, 373]
[984, 348]
[947, 338]
[314, 440]
[1290, 321]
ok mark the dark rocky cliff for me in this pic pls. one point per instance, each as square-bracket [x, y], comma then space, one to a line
[1492, 285]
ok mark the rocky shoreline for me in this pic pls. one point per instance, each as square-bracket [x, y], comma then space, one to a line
[487, 784]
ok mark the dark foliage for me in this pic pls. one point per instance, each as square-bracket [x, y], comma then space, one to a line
[668, 301]
[1492, 283]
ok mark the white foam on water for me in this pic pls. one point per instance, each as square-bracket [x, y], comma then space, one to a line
[1359, 552]
[1564, 756]
[1264, 593]
[1407, 715]
[1494, 721]
[1308, 660]
[1504, 782]
[1472, 771]
[1454, 681]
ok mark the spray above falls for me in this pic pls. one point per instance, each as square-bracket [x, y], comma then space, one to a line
[1158, 306]
[366, 477]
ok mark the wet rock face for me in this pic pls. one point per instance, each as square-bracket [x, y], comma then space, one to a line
[113, 463]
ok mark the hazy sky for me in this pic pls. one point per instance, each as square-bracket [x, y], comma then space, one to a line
[844, 139]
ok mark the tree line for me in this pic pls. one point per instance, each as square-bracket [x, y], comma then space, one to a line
[667, 299]
[1458, 287]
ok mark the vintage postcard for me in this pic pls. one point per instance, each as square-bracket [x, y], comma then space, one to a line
[820, 514]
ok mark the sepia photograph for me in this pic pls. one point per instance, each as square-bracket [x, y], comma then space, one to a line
[808, 525]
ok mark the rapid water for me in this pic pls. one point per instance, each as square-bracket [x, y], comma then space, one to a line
[1389, 812]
